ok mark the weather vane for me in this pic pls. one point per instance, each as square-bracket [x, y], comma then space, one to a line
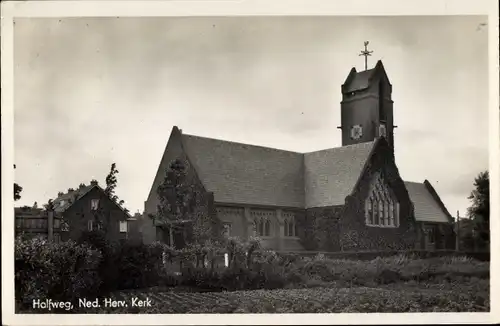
[366, 54]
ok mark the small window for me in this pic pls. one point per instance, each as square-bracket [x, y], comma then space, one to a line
[90, 225]
[94, 204]
[226, 229]
[123, 226]
[64, 226]
[61, 203]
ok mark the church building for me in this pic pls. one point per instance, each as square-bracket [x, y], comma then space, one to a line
[349, 198]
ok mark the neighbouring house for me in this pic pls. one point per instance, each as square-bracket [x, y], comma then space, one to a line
[89, 208]
[37, 222]
[348, 198]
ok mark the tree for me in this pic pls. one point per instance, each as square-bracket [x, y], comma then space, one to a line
[111, 182]
[177, 197]
[479, 211]
[100, 215]
[17, 190]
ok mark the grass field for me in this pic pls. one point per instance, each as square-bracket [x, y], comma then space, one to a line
[395, 298]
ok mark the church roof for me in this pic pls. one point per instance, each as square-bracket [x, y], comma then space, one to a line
[427, 207]
[331, 174]
[249, 174]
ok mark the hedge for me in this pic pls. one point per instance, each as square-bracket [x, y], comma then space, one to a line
[59, 271]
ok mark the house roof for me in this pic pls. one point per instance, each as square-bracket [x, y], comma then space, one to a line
[66, 200]
[427, 208]
[331, 174]
[248, 174]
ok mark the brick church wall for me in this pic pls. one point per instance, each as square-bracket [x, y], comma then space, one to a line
[444, 236]
[204, 214]
[355, 234]
[319, 229]
[235, 216]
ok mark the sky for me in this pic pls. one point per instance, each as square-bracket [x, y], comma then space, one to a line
[89, 92]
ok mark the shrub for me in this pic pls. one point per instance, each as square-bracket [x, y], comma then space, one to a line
[94, 239]
[129, 265]
[63, 271]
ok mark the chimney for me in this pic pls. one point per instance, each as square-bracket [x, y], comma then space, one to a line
[59, 194]
[93, 183]
[70, 190]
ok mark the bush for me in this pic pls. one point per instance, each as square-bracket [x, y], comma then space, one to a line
[63, 271]
[249, 267]
[94, 239]
[129, 265]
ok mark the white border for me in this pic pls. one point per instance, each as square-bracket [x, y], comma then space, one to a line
[238, 8]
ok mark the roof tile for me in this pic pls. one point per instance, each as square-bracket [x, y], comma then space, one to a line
[248, 174]
[426, 208]
[331, 174]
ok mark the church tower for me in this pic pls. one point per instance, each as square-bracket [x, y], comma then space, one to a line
[367, 108]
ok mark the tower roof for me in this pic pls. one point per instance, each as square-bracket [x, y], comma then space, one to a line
[357, 81]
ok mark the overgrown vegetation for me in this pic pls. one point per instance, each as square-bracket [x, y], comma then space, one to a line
[93, 268]
[475, 232]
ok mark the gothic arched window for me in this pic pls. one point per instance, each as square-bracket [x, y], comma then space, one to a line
[381, 212]
[289, 224]
[260, 224]
[386, 212]
[267, 228]
[391, 213]
[291, 229]
[381, 207]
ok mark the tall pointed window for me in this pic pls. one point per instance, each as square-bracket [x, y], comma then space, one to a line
[260, 223]
[267, 228]
[262, 227]
[381, 206]
[290, 227]
[263, 221]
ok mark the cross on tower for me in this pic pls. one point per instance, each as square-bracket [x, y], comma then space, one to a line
[366, 53]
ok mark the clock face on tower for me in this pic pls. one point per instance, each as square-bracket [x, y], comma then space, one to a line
[382, 130]
[356, 132]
